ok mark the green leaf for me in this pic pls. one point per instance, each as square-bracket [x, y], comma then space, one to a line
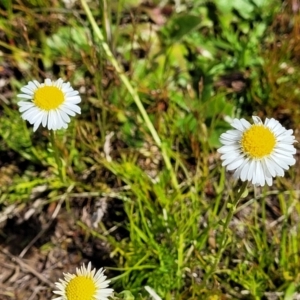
[244, 8]
[15, 135]
[183, 25]
[224, 6]
[290, 292]
[126, 295]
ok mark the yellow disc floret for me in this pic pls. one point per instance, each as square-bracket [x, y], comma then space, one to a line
[81, 288]
[48, 97]
[258, 141]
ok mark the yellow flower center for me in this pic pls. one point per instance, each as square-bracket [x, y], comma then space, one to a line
[258, 141]
[81, 288]
[48, 97]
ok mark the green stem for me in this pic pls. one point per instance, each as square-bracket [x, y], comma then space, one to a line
[132, 92]
[232, 209]
[56, 155]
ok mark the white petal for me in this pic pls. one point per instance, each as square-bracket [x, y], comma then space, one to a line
[257, 120]
[251, 170]
[44, 120]
[237, 124]
[279, 131]
[278, 169]
[286, 148]
[55, 120]
[30, 113]
[237, 173]
[290, 139]
[24, 107]
[37, 116]
[259, 175]
[228, 142]
[284, 160]
[265, 168]
[48, 82]
[21, 103]
[269, 181]
[244, 172]
[229, 148]
[59, 83]
[71, 93]
[233, 165]
[68, 111]
[24, 96]
[37, 122]
[60, 122]
[64, 116]
[270, 165]
[230, 137]
[231, 155]
[32, 86]
[50, 120]
[36, 84]
[74, 99]
[27, 90]
[74, 108]
[270, 123]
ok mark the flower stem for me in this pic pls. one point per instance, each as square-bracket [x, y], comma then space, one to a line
[232, 205]
[57, 156]
[132, 92]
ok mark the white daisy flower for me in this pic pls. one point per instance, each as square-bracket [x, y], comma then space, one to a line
[257, 152]
[49, 103]
[84, 285]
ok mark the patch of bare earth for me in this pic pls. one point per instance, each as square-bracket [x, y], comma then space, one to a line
[37, 247]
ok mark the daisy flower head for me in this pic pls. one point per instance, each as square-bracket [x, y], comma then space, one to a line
[49, 103]
[257, 152]
[86, 284]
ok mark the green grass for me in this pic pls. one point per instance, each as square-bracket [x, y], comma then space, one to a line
[156, 85]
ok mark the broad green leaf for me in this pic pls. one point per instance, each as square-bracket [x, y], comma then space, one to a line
[183, 25]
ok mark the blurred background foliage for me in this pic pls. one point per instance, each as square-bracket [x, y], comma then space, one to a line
[196, 65]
